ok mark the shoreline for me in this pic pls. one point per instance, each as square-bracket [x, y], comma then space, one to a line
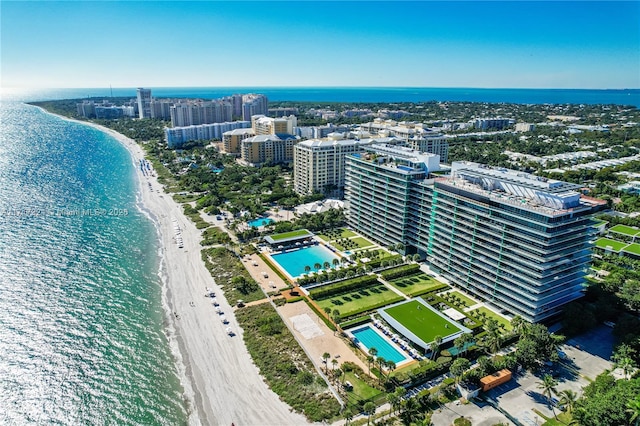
[221, 384]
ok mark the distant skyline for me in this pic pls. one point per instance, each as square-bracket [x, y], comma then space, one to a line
[546, 44]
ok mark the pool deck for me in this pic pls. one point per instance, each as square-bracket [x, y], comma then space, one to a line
[363, 348]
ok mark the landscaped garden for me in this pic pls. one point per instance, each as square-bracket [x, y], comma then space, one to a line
[415, 285]
[606, 242]
[459, 297]
[291, 234]
[626, 230]
[360, 300]
[488, 313]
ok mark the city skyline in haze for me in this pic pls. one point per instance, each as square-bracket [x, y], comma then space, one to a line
[590, 45]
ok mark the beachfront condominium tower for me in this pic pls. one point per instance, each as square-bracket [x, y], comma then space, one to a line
[319, 164]
[144, 103]
[254, 104]
[517, 241]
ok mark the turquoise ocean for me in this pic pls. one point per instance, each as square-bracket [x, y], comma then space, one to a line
[83, 333]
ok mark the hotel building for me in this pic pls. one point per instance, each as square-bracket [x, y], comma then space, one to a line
[263, 125]
[232, 140]
[415, 135]
[273, 149]
[517, 241]
[319, 165]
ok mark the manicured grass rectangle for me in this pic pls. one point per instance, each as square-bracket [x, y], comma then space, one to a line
[292, 234]
[605, 242]
[361, 390]
[421, 321]
[345, 233]
[633, 248]
[624, 229]
[359, 300]
[468, 302]
[362, 242]
[322, 237]
[415, 284]
[491, 314]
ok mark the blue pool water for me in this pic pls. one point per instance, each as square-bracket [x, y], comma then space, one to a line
[294, 261]
[371, 339]
[259, 222]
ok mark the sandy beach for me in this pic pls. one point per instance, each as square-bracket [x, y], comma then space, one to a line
[222, 385]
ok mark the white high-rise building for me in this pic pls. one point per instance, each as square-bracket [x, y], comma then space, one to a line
[144, 103]
[318, 165]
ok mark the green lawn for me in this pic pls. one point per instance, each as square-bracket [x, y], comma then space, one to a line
[323, 237]
[633, 248]
[615, 245]
[422, 321]
[491, 314]
[624, 229]
[468, 302]
[361, 390]
[362, 242]
[359, 300]
[285, 235]
[415, 284]
[345, 233]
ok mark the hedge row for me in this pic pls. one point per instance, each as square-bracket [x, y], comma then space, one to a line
[356, 321]
[400, 271]
[342, 287]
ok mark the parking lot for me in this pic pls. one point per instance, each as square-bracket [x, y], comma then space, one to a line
[587, 356]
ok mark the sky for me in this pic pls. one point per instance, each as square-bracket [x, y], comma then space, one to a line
[495, 44]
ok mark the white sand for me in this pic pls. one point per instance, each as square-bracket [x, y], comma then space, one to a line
[221, 380]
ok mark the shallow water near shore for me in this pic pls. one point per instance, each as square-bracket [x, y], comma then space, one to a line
[82, 327]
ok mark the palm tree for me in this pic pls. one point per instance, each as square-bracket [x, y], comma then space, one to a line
[370, 359]
[433, 347]
[568, 398]
[307, 268]
[437, 341]
[369, 409]
[392, 399]
[519, 325]
[391, 365]
[336, 316]
[334, 364]
[325, 357]
[348, 415]
[633, 408]
[335, 262]
[317, 266]
[381, 363]
[459, 367]
[548, 386]
[622, 358]
[373, 351]
[326, 265]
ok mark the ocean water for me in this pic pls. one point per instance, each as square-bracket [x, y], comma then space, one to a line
[83, 334]
[367, 94]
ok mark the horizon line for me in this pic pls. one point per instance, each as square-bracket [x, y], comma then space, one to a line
[312, 87]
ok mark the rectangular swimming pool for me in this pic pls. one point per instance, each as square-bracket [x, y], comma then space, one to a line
[370, 338]
[294, 262]
[261, 221]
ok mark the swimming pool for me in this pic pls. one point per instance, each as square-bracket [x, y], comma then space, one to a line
[370, 338]
[293, 262]
[261, 221]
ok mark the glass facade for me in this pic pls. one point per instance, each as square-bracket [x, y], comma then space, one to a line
[522, 257]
